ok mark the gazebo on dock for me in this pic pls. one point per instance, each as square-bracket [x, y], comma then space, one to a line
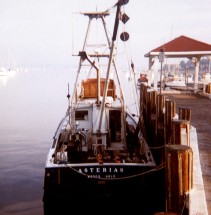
[180, 47]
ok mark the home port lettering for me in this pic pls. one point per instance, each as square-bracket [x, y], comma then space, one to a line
[98, 172]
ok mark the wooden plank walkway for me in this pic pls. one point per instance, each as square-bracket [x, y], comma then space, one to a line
[201, 119]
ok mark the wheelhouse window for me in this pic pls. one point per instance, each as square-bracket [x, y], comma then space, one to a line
[81, 115]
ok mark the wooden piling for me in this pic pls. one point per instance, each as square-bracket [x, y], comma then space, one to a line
[160, 129]
[161, 99]
[148, 105]
[180, 132]
[170, 112]
[153, 121]
[208, 88]
[179, 176]
[151, 116]
[185, 113]
[143, 106]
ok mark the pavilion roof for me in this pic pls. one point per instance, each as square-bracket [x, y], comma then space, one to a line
[182, 47]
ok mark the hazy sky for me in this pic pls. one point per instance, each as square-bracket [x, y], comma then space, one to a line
[39, 32]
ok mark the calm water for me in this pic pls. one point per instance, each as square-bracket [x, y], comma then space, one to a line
[32, 104]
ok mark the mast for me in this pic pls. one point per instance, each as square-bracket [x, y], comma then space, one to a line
[88, 56]
[116, 25]
[83, 56]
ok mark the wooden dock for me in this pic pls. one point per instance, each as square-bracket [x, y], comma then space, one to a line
[190, 110]
[200, 105]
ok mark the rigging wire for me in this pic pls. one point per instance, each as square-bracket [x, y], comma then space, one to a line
[131, 68]
[73, 9]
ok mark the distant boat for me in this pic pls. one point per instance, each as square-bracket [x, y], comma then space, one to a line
[7, 72]
[4, 71]
[174, 80]
[206, 78]
[99, 147]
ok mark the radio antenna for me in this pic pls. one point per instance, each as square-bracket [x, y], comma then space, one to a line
[68, 97]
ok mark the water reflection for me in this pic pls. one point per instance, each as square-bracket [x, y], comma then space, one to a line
[5, 75]
[27, 126]
[4, 79]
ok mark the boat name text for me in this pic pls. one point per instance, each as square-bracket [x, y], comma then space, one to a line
[96, 170]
